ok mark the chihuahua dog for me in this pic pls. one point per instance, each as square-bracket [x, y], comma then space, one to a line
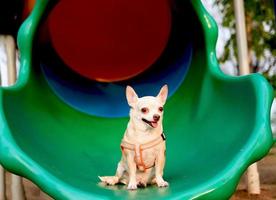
[143, 145]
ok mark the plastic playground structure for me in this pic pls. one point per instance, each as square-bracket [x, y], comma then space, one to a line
[67, 110]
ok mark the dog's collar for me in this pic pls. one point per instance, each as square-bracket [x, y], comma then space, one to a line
[144, 146]
[163, 136]
[138, 149]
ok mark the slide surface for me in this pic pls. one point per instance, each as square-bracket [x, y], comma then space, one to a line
[215, 125]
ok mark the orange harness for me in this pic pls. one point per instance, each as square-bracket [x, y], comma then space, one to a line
[138, 149]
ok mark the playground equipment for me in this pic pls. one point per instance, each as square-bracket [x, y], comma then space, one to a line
[57, 123]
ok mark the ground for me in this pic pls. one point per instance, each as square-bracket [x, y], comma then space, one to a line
[267, 170]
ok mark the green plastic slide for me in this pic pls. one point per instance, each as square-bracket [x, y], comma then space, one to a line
[216, 126]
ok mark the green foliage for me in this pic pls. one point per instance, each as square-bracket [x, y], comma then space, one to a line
[272, 80]
[261, 29]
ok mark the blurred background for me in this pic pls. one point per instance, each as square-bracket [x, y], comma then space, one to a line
[261, 38]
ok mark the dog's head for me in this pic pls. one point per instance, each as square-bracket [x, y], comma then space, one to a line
[146, 112]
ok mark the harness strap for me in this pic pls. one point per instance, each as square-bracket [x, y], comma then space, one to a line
[138, 149]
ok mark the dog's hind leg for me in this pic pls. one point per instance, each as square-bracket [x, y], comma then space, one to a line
[120, 170]
[112, 180]
[109, 180]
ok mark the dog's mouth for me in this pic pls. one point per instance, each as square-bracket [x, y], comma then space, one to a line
[153, 124]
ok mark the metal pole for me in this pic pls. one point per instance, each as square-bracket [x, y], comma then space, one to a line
[17, 190]
[241, 37]
[2, 171]
[2, 184]
[253, 180]
[11, 59]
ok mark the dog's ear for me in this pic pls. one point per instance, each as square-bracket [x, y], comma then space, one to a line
[163, 94]
[131, 96]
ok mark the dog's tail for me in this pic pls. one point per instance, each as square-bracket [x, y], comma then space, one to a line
[109, 180]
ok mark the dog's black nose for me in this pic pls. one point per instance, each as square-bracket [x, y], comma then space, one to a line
[156, 117]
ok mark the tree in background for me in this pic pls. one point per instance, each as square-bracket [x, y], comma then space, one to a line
[261, 35]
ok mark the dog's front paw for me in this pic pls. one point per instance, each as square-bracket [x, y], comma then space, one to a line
[132, 186]
[162, 183]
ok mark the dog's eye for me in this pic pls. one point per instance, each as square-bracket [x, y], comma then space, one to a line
[144, 110]
[161, 109]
